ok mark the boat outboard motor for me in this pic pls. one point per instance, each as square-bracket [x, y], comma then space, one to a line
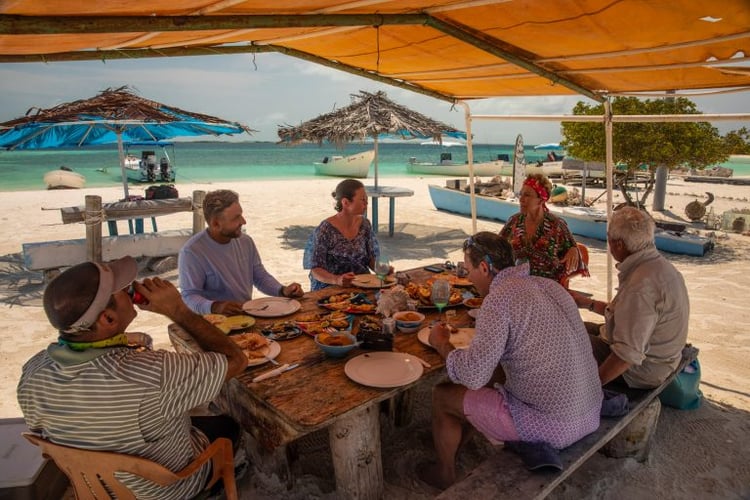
[164, 169]
[148, 159]
[325, 159]
[445, 157]
[503, 157]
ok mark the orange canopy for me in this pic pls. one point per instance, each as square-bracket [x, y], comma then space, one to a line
[444, 48]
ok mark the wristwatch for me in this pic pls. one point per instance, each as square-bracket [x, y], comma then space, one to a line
[591, 305]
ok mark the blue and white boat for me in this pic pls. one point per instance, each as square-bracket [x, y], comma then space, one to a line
[583, 221]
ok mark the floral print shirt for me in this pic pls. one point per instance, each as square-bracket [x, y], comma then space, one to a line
[337, 254]
[544, 250]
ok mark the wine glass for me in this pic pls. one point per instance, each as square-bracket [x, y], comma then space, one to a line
[382, 268]
[441, 294]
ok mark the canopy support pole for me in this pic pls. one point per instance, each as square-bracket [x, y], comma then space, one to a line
[121, 153]
[470, 157]
[609, 159]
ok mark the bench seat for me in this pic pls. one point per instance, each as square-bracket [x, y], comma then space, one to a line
[504, 475]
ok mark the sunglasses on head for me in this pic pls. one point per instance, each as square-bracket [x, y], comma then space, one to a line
[471, 242]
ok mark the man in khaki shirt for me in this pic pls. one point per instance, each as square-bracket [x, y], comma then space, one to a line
[646, 324]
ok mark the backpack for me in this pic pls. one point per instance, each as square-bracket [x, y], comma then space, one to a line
[161, 192]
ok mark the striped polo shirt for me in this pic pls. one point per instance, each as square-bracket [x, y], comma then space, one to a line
[117, 399]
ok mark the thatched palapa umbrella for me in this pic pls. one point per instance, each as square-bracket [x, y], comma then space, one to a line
[114, 115]
[369, 116]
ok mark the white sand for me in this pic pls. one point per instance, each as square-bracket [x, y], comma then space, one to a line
[697, 454]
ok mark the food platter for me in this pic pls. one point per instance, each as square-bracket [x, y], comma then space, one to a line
[384, 369]
[339, 321]
[460, 340]
[423, 294]
[281, 330]
[372, 281]
[351, 303]
[271, 307]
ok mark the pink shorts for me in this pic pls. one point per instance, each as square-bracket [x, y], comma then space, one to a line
[487, 410]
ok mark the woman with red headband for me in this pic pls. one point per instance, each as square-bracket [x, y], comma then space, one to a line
[540, 238]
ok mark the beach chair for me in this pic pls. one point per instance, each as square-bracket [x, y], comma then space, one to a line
[89, 470]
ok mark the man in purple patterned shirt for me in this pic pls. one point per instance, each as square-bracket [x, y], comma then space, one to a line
[529, 374]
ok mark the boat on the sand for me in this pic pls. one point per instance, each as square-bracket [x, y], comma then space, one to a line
[352, 166]
[64, 178]
[446, 166]
[583, 221]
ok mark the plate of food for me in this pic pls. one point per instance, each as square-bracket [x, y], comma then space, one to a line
[372, 281]
[271, 307]
[461, 338]
[239, 322]
[423, 294]
[351, 303]
[281, 330]
[314, 323]
[473, 302]
[257, 348]
[214, 319]
[450, 278]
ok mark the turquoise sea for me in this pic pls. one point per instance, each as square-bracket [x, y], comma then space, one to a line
[229, 161]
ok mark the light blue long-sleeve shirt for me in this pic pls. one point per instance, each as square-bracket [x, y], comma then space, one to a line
[212, 271]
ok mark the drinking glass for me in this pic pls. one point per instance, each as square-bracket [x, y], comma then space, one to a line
[441, 294]
[382, 268]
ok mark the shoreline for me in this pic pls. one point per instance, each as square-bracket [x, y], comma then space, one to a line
[280, 215]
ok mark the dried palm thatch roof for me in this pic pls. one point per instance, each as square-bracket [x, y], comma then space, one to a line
[118, 104]
[369, 115]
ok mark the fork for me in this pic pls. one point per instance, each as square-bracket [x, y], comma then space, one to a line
[258, 309]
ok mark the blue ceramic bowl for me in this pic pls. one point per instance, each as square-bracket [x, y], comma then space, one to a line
[336, 345]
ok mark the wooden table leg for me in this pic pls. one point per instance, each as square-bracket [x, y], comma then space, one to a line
[355, 448]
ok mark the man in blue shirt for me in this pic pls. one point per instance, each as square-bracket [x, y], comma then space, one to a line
[219, 266]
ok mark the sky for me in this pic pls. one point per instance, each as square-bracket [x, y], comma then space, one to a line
[264, 91]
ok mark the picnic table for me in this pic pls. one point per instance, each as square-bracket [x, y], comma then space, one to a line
[319, 395]
[391, 192]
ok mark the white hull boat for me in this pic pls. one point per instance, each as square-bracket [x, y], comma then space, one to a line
[148, 169]
[353, 166]
[64, 178]
[448, 167]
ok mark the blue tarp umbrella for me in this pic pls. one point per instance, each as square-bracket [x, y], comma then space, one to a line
[112, 116]
[370, 116]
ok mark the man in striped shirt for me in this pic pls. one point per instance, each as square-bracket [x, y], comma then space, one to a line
[92, 390]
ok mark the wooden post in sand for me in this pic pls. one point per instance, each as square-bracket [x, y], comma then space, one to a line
[199, 222]
[353, 436]
[93, 222]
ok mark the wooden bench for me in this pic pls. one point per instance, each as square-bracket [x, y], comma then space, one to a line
[504, 475]
[48, 256]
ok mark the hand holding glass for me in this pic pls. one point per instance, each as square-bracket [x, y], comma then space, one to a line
[382, 268]
[441, 294]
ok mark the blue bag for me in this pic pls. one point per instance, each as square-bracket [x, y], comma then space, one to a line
[683, 392]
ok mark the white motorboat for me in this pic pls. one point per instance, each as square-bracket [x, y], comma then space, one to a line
[64, 178]
[353, 166]
[448, 167]
[147, 169]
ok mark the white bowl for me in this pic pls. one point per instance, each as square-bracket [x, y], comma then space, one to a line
[408, 321]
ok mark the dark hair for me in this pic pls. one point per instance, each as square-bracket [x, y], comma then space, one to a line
[346, 189]
[70, 294]
[491, 248]
[216, 202]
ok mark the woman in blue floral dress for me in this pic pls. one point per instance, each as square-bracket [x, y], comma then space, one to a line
[343, 245]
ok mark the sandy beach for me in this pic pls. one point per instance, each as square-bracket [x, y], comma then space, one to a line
[703, 453]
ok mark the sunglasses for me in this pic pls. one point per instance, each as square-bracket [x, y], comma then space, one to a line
[471, 242]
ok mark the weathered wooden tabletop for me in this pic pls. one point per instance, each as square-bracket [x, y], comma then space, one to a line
[318, 394]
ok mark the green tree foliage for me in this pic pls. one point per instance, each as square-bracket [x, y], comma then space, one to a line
[695, 144]
[737, 142]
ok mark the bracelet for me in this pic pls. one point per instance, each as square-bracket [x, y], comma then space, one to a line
[591, 305]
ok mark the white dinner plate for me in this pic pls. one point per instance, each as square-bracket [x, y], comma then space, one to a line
[271, 307]
[460, 340]
[384, 369]
[274, 348]
[372, 281]
[474, 313]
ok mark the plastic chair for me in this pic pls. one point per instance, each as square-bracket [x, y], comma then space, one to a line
[88, 470]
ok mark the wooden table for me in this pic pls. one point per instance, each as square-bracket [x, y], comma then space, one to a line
[319, 395]
[386, 192]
